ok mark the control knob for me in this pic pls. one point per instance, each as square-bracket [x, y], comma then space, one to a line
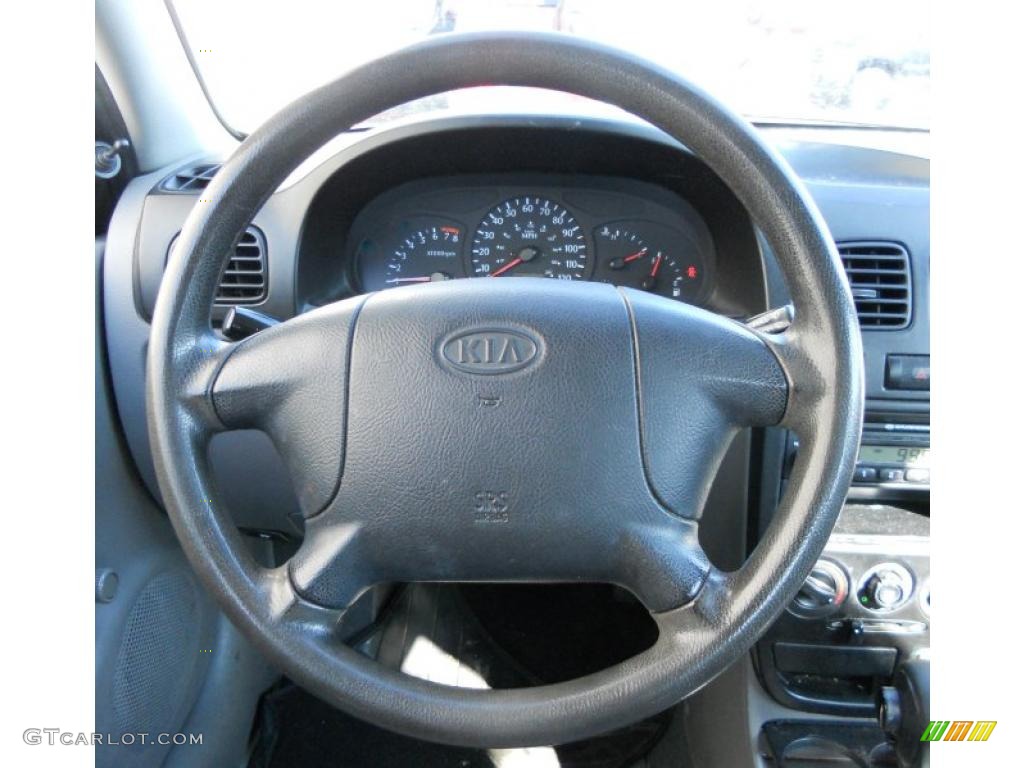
[823, 591]
[885, 587]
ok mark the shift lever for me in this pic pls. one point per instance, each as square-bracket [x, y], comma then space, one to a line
[903, 711]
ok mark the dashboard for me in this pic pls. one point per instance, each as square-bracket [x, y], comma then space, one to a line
[621, 232]
[496, 197]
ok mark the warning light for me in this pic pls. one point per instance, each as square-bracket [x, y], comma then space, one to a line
[691, 272]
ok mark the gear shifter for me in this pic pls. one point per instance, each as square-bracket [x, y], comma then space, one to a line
[903, 711]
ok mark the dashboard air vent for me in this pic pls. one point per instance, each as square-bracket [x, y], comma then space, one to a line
[192, 178]
[245, 277]
[244, 280]
[879, 275]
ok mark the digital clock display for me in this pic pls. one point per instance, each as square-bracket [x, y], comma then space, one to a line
[893, 454]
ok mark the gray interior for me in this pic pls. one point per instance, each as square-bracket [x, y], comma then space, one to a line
[313, 227]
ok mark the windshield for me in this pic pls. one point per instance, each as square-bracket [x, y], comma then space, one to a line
[817, 61]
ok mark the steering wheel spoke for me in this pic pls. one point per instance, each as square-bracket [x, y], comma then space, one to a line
[653, 554]
[700, 379]
[196, 361]
[287, 608]
[806, 367]
[290, 381]
[664, 565]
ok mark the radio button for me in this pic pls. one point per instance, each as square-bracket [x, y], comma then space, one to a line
[888, 475]
[865, 474]
[917, 475]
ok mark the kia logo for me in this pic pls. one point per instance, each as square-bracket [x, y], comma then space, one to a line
[490, 352]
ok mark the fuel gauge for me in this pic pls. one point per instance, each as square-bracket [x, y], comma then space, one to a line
[651, 261]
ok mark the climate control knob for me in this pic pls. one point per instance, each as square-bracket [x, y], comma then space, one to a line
[885, 587]
[823, 591]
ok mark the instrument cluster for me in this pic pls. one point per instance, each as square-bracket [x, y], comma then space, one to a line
[618, 231]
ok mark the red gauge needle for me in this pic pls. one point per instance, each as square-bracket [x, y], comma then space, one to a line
[514, 263]
[634, 256]
[657, 265]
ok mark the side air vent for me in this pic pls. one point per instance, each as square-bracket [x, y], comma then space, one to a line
[879, 275]
[244, 280]
[192, 178]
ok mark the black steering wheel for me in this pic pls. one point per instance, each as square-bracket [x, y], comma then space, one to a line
[517, 430]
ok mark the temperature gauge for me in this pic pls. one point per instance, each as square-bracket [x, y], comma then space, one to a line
[650, 259]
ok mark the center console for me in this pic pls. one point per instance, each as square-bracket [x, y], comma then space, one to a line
[860, 624]
[863, 609]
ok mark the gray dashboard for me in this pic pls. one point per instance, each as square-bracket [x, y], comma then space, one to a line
[330, 231]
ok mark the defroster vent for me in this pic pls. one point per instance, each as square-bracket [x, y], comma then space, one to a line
[879, 276]
[192, 178]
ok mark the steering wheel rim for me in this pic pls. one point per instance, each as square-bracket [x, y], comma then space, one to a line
[198, 385]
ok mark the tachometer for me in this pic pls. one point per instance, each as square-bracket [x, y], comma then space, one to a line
[425, 255]
[529, 236]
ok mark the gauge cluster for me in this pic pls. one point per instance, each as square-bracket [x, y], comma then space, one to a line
[617, 231]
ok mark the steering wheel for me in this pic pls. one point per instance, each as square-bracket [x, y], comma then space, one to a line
[512, 430]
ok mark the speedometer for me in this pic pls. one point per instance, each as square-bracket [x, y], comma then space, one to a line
[529, 236]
